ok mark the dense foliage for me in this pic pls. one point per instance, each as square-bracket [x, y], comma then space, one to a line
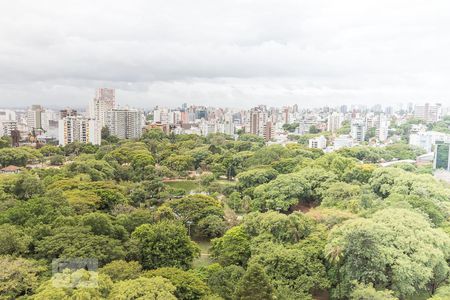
[189, 217]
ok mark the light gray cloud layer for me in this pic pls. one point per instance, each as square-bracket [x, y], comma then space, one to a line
[234, 53]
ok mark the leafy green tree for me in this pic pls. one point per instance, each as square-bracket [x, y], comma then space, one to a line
[179, 163]
[442, 293]
[57, 160]
[119, 270]
[344, 196]
[256, 177]
[156, 288]
[137, 217]
[319, 180]
[99, 223]
[279, 227]
[211, 226]
[223, 281]
[50, 150]
[233, 248]
[281, 193]
[15, 156]
[188, 286]
[37, 210]
[254, 285]
[13, 240]
[205, 214]
[368, 292]
[66, 242]
[299, 267]
[27, 186]
[5, 142]
[164, 244]
[395, 249]
[18, 277]
[78, 284]
[313, 129]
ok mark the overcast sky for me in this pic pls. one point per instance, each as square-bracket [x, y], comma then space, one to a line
[225, 53]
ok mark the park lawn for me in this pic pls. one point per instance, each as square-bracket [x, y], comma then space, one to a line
[187, 185]
[204, 259]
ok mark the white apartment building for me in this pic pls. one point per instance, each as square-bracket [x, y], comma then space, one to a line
[427, 139]
[174, 117]
[334, 122]
[318, 142]
[7, 127]
[7, 115]
[79, 129]
[36, 118]
[342, 141]
[125, 123]
[428, 113]
[161, 115]
[381, 124]
[358, 130]
[104, 101]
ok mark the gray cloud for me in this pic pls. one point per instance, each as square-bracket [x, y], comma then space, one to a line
[236, 52]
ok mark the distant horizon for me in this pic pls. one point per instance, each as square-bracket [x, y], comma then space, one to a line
[309, 105]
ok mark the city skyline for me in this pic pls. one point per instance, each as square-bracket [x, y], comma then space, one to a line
[238, 53]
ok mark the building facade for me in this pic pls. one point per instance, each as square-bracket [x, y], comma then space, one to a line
[104, 101]
[125, 123]
[79, 129]
[428, 113]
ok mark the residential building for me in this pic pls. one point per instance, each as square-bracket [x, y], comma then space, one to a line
[125, 123]
[318, 142]
[7, 127]
[67, 112]
[358, 130]
[7, 115]
[428, 113]
[36, 118]
[382, 126]
[342, 141]
[427, 139]
[79, 129]
[334, 122]
[258, 120]
[104, 101]
[269, 131]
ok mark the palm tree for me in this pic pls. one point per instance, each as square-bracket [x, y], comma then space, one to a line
[334, 254]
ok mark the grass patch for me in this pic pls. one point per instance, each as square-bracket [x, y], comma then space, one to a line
[187, 185]
[204, 259]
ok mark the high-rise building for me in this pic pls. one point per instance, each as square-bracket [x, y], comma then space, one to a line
[8, 127]
[358, 130]
[161, 116]
[67, 112]
[7, 115]
[334, 122]
[428, 113]
[125, 123]
[79, 129]
[104, 101]
[269, 131]
[382, 127]
[258, 119]
[36, 118]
